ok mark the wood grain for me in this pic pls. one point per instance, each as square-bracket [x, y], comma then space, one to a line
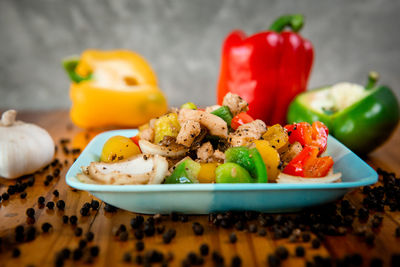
[252, 248]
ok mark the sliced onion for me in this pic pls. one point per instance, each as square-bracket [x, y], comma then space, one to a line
[290, 179]
[171, 152]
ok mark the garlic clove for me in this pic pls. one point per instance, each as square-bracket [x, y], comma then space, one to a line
[24, 147]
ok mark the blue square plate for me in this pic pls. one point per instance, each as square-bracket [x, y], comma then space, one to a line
[206, 198]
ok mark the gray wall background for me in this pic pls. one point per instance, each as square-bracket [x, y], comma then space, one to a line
[182, 40]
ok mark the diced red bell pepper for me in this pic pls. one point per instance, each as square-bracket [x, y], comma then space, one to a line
[240, 119]
[306, 164]
[136, 139]
[305, 134]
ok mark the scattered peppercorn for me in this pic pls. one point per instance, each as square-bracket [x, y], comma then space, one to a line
[5, 196]
[169, 235]
[139, 234]
[198, 229]
[94, 251]
[282, 252]
[50, 205]
[139, 246]
[60, 204]
[56, 193]
[273, 260]
[77, 254]
[376, 262]
[16, 253]
[73, 219]
[84, 211]
[300, 251]
[82, 244]
[46, 227]
[109, 208]
[236, 261]
[204, 249]
[22, 195]
[94, 204]
[30, 212]
[78, 231]
[41, 200]
[123, 236]
[315, 243]
[232, 238]
[89, 236]
[65, 219]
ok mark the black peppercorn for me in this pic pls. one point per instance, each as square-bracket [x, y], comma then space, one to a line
[82, 244]
[232, 238]
[149, 230]
[139, 246]
[78, 231]
[198, 229]
[65, 218]
[46, 227]
[41, 200]
[109, 208]
[169, 235]
[5, 196]
[282, 252]
[60, 204]
[77, 254]
[139, 234]
[204, 249]
[50, 205]
[84, 212]
[123, 236]
[273, 260]
[89, 236]
[376, 262]
[73, 219]
[94, 204]
[300, 251]
[94, 251]
[30, 233]
[315, 243]
[127, 257]
[30, 212]
[56, 193]
[23, 195]
[236, 261]
[16, 253]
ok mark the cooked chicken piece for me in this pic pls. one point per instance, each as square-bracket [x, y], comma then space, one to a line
[188, 132]
[147, 134]
[247, 133]
[291, 152]
[205, 152]
[171, 151]
[218, 156]
[142, 169]
[213, 123]
[235, 103]
[212, 108]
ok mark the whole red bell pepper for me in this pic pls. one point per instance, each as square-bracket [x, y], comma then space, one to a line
[267, 69]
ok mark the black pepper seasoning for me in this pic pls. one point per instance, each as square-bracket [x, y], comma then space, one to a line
[65, 219]
[56, 193]
[78, 231]
[50, 205]
[315, 243]
[94, 251]
[139, 246]
[198, 229]
[41, 200]
[22, 195]
[60, 204]
[95, 204]
[89, 236]
[73, 219]
[16, 253]
[204, 249]
[46, 227]
[232, 238]
[300, 251]
[282, 252]
[5, 196]
[30, 212]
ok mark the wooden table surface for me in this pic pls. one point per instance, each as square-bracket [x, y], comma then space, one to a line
[252, 248]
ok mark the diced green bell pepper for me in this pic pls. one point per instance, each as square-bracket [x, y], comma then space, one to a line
[224, 113]
[185, 173]
[232, 173]
[363, 125]
[250, 159]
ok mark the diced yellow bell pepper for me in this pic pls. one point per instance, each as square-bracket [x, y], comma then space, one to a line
[276, 136]
[166, 125]
[207, 172]
[270, 157]
[118, 148]
[113, 88]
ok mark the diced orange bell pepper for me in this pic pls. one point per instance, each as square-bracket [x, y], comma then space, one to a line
[207, 172]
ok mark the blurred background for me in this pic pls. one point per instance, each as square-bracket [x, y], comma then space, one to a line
[182, 41]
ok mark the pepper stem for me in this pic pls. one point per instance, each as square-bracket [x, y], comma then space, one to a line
[294, 21]
[70, 65]
[373, 77]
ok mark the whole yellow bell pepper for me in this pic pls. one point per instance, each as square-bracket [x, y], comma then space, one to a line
[113, 88]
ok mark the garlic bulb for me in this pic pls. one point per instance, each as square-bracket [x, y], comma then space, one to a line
[24, 147]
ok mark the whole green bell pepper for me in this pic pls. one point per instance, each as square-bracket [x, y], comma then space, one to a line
[362, 118]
